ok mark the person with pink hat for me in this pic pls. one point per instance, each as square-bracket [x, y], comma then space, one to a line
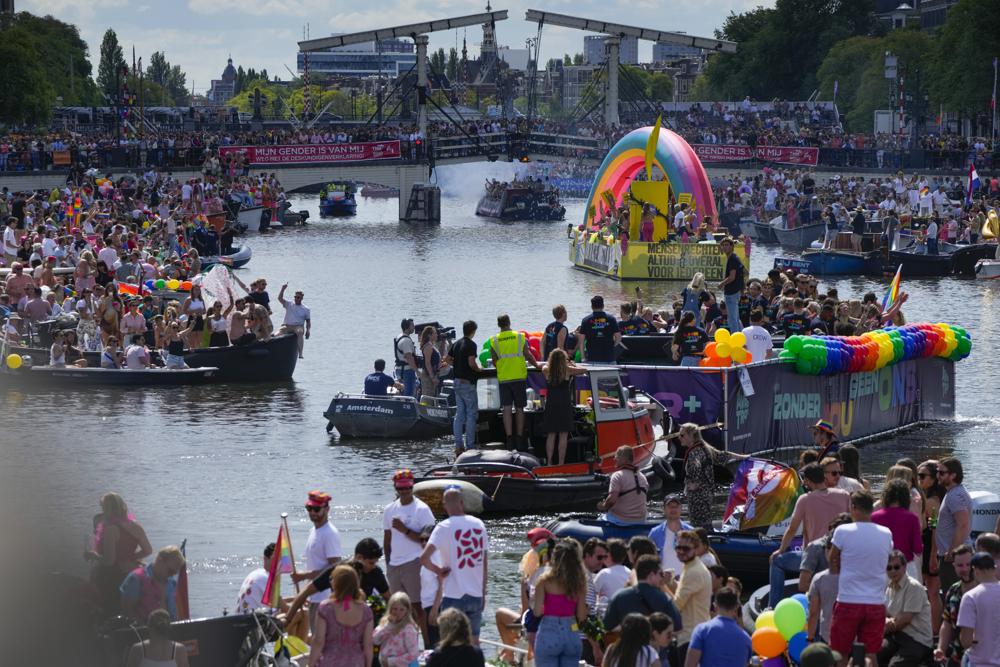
[403, 520]
[322, 548]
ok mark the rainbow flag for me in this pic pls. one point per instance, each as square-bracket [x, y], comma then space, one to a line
[281, 563]
[765, 491]
[893, 293]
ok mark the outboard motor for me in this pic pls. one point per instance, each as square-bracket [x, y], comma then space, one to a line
[265, 220]
[985, 510]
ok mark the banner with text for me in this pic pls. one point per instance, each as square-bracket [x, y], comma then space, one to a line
[738, 153]
[779, 414]
[675, 261]
[306, 153]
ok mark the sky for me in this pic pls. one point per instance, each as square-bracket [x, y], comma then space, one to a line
[199, 35]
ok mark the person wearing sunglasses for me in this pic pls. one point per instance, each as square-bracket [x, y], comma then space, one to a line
[322, 548]
[954, 521]
[908, 635]
[691, 592]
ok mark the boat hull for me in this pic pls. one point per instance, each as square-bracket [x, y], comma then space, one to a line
[965, 257]
[799, 238]
[843, 263]
[387, 417]
[158, 377]
[917, 264]
[343, 207]
[988, 269]
[238, 259]
[249, 218]
[744, 554]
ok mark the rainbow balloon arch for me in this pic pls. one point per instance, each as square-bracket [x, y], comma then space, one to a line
[617, 183]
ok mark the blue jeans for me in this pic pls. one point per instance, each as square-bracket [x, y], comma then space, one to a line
[408, 377]
[932, 246]
[470, 606]
[782, 567]
[557, 644]
[733, 312]
[466, 414]
[690, 360]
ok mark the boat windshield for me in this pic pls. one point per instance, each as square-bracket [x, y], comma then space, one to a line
[609, 392]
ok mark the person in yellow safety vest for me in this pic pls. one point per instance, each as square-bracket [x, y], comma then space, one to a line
[511, 356]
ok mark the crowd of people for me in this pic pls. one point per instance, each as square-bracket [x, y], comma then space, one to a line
[85, 255]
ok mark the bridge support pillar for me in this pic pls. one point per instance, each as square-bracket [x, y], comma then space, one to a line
[409, 176]
[612, 45]
[421, 42]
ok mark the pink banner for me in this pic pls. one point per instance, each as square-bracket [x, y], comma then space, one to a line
[737, 153]
[301, 153]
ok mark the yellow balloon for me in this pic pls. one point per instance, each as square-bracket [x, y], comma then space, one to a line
[766, 620]
[723, 350]
[739, 355]
[173, 283]
[145, 225]
[722, 336]
[13, 361]
[738, 339]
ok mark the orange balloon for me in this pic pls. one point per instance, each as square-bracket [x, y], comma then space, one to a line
[710, 350]
[768, 642]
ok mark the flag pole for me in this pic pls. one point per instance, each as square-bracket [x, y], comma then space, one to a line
[291, 554]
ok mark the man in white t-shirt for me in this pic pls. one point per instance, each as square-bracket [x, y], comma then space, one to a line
[759, 343]
[861, 554]
[297, 317]
[664, 535]
[402, 522]
[322, 547]
[979, 614]
[252, 590]
[464, 546]
[771, 199]
[612, 578]
[10, 242]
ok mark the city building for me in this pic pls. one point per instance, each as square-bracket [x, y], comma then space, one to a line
[224, 89]
[665, 53]
[387, 57]
[934, 12]
[593, 50]
[929, 14]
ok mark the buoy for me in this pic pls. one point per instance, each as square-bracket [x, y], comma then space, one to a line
[431, 491]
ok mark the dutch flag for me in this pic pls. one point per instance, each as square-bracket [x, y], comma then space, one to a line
[973, 183]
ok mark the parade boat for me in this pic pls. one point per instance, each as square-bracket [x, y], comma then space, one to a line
[393, 416]
[512, 203]
[608, 415]
[374, 190]
[840, 259]
[759, 232]
[149, 377]
[594, 247]
[239, 258]
[912, 255]
[988, 269]
[337, 199]
[271, 360]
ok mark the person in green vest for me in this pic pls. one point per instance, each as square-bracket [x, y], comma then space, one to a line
[511, 356]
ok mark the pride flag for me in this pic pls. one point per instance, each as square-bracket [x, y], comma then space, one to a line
[765, 491]
[281, 563]
[974, 183]
[893, 293]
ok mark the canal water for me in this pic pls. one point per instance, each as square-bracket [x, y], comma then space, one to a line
[217, 465]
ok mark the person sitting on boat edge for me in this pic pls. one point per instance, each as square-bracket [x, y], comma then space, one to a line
[378, 382]
[627, 491]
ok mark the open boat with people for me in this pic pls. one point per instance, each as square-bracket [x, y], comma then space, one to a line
[608, 415]
[841, 259]
[239, 258]
[337, 199]
[988, 269]
[912, 254]
[511, 203]
[798, 237]
[967, 256]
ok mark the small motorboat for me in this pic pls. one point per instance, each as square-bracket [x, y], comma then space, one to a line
[337, 199]
[756, 604]
[840, 259]
[240, 257]
[392, 416]
[248, 217]
[760, 232]
[510, 203]
[744, 553]
[917, 262]
[799, 237]
[988, 269]
[374, 190]
[966, 256]
[608, 415]
[122, 377]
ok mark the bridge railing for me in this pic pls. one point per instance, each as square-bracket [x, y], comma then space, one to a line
[514, 145]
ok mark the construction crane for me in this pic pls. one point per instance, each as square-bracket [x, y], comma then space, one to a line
[417, 32]
[615, 31]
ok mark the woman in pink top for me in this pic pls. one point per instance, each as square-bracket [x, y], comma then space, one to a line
[560, 601]
[902, 523]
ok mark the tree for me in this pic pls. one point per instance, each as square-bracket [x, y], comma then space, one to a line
[961, 67]
[452, 64]
[567, 59]
[64, 58]
[158, 68]
[437, 64]
[176, 85]
[578, 59]
[26, 96]
[112, 61]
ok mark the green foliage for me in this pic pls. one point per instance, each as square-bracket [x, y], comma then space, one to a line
[170, 83]
[452, 64]
[656, 86]
[438, 61]
[63, 55]
[26, 95]
[112, 61]
[962, 62]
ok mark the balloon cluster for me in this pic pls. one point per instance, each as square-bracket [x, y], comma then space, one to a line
[172, 284]
[726, 349]
[826, 355]
[534, 344]
[781, 630]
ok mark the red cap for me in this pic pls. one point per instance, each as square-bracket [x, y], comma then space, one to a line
[539, 534]
[318, 499]
[403, 479]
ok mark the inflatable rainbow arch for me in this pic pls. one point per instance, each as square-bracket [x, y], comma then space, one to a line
[685, 181]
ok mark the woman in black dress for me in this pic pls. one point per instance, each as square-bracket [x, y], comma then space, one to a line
[558, 417]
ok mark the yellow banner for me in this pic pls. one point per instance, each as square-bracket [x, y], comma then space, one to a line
[675, 261]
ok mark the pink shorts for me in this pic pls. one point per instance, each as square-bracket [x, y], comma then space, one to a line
[864, 622]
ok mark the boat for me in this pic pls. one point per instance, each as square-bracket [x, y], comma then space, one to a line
[374, 190]
[271, 360]
[799, 237]
[512, 203]
[744, 553]
[966, 256]
[337, 199]
[393, 416]
[249, 217]
[619, 182]
[514, 481]
[988, 269]
[240, 257]
[121, 377]
[916, 262]
[840, 259]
